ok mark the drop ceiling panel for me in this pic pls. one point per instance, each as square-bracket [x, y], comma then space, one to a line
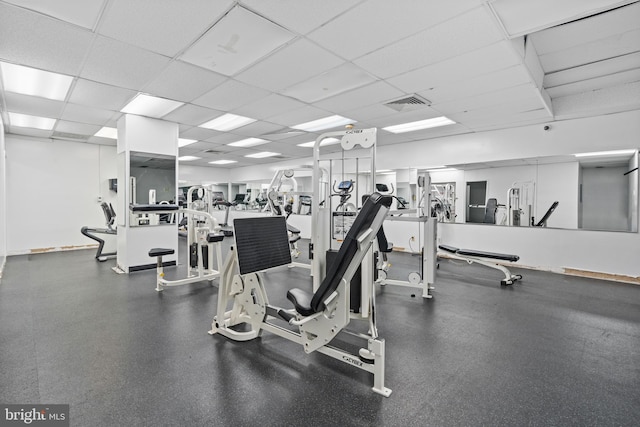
[521, 17]
[290, 65]
[588, 30]
[198, 133]
[407, 116]
[32, 105]
[507, 121]
[330, 83]
[86, 92]
[41, 42]
[222, 138]
[375, 93]
[615, 99]
[164, 27]
[468, 66]
[300, 115]
[76, 128]
[79, 12]
[230, 95]
[588, 71]
[370, 113]
[82, 113]
[257, 129]
[606, 48]
[120, 64]
[594, 83]
[371, 22]
[501, 79]
[183, 82]
[192, 115]
[501, 97]
[268, 106]
[238, 40]
[300, 16]
[38, 133]
[462, 34]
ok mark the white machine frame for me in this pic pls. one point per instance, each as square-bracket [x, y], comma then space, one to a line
[248, 297]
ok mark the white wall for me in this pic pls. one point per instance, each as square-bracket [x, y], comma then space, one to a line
[3, 200]
[53, 189]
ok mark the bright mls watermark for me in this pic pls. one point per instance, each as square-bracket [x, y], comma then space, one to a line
[34, 415]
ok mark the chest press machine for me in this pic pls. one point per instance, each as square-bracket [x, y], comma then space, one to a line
[262, 243]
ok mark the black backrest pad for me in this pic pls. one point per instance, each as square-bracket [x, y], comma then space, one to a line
[261, 243]
[348, 249]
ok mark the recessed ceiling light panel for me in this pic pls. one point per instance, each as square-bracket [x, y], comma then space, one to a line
[262, 155]
[188, 158]
[107, 132]
[419, 125]
[222, 162]
[183, 142]
[324, 123]
[249, 142]
[606, 153]
[27, 121]
[151, 106]
[30, 81]
[326, 141]
[227, 122]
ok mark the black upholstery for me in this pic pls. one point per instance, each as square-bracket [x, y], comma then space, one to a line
[543, 221]
[383, 243]
[154, 208]
[490, 211]
[213, 237]
[479, 254]
[304, 302]
[155, 252]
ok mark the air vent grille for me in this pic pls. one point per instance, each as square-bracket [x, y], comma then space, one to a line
[215, 152]
[411, 102]
[67, 135]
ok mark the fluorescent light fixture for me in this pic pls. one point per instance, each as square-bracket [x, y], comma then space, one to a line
[326, 141]
[606, 153]
[188, 158]
[151, 106]
[325, 123]
[27, 121]
[442, 170]
[30, 81]
[249, 142]
[262, 155]
[222, 162]
[107, 132]
[182, 142]
[227, 122]
[419, 125]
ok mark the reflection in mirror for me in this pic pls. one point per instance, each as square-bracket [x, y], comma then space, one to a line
[593, 191]
[152, 181]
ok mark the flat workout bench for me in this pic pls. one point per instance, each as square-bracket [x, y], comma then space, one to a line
[482, 257]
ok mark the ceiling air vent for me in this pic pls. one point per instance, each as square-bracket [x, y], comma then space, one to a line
[214, 152]
[407, 103]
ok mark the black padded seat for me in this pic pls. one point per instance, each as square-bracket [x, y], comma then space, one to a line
[491, 255]
[448, 248]
[213, 237]
[384, 245]
[294, 238]
[156, 252]
[306, 303]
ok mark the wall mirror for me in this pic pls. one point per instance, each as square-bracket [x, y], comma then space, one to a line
[152, 180]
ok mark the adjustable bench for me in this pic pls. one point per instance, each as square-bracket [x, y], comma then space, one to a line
[484, 258]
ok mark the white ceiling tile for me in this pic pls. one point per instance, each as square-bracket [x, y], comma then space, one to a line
[369, 113]
[199, 133]
[268, 106]
[83, 113]
[501, 79]
[589, 71]
[79, 12]
[521, 17]
[614, 99]
[300, 115]
[462, 34]
[38, 133]
[28, 38]
[486, 60]
[300, 16]
[501, 121]
[407, 116]
[76, 128]
[588, 30]
[120, 64]
[222, 138]
[330, 83]
[257, 129]
[378, 23]
[183, 82]
[238, 40]
[375, 93]
[113, 98]
[33, 105]
[290, 65]
[506, 97]
[610, 47]
[192, 115]
[595, 83]
[230, 95]
[165, 27]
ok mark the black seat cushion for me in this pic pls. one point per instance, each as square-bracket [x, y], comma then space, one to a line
[213, 237]
[160, 252]
[301, 301]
